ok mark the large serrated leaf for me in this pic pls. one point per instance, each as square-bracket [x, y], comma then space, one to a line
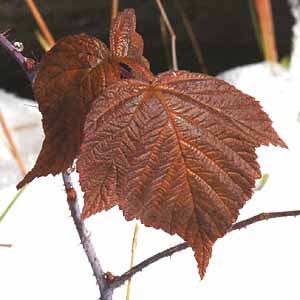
[177, 153]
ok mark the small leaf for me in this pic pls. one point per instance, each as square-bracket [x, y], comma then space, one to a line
[127, 45]
[177, 153]
[121, 32]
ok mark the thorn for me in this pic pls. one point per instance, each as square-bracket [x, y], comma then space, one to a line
[30, 105]
[6, 32]
[19, 47]
[70, 170]
[110, 278]
[71, 194]
[30, 64]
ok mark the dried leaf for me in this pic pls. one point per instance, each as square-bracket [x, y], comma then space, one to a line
[127, 45]
[177, 153]
[121, 32]
[70, 77]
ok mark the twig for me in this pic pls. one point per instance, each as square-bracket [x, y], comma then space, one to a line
[253, 16]
[114, 8]
[172, 34]
[260, 185]
[133, 248]
[105, 291]
[169, 252]
[12, 202]
[189, 28]
[27, 64]
[12, 146]
[263, 217]
[138, 268]
[42, 41]
[165, 40]
[265, 16]
[6, 245]
[41, 23]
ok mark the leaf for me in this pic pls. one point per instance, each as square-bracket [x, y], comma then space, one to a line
[177, 153]
[71, 75]
[127, 45]
[121, 32]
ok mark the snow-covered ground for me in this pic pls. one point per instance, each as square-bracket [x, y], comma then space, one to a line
[260, 262]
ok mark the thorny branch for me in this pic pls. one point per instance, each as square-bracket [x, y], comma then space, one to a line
[106, 286]
[169, 252]
[27, 64]
[263, 217]
[105, 290]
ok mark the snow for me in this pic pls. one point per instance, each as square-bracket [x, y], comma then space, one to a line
[262, 261]
[24, 120]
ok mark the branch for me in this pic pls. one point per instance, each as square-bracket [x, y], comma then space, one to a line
[127, 275]
[6, 245]
[169, 252]
[172, 34]
[263, 217]
[28, 65]
[105, 290]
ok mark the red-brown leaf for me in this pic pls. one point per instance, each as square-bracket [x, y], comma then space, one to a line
[70, 76]
[177, 153]
[127, 45]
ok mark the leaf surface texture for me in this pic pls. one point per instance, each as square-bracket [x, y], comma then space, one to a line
[177, 153]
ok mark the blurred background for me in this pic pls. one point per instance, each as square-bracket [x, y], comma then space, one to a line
[224, 31]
